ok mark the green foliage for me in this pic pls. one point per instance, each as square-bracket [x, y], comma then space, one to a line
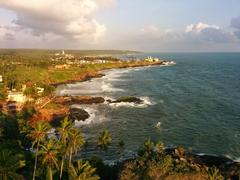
[27, 112]
[82, 171]
[48, 89]
[3, 92]
[39, 132]
[9, 164]
[103, 170]
[48, 153]
[214, 174]
[153, 163]
[104, 139]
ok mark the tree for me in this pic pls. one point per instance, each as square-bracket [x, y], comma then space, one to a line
[49, 153]
[38, 135]
[214, 174]
[76, 141]
[31, 92]
[104, 139]
[64, 133]
[9, 164]
[82, 171]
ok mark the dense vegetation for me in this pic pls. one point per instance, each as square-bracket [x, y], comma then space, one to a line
[36, 151]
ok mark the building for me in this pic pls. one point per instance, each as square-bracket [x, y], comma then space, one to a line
[17, 97]
[63, 66]
[39, 90]
[149, 59]
[1, 79]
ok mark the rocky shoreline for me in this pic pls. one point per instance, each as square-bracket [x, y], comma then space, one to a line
[98, 74]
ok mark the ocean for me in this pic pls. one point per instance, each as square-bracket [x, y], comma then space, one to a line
[196, 103]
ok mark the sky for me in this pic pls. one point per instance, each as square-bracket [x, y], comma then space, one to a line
[143, 25]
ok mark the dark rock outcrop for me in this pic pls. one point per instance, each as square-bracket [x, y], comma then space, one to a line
[87, 100]
[78, 114]
[128, 99]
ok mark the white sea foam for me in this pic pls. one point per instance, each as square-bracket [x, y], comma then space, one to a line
[108, 87]
[95, 116]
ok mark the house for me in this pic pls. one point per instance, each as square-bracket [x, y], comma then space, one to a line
[62, 66]
[17, 97]
[39, 90]
[149, 59]
[1, 79]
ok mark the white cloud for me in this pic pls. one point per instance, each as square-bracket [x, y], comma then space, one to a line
[194, 37]
[202, 32]
[198, 28]
[71, 19]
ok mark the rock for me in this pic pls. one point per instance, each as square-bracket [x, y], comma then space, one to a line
[87, 100]
[63, 100]
[70, 100]
[78, 114]
[128, 99]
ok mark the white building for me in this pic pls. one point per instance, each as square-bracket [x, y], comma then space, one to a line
[1, 79]
[18, 97]
[39, 90]
[149, 59]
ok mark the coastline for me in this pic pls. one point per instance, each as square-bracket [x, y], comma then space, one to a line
[54, 110]
[99, 72]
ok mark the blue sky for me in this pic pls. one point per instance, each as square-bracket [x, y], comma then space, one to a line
[146, 25]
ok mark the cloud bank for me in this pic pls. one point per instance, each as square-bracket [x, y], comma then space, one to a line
[194, 37]
[74, 24]
[71, 19]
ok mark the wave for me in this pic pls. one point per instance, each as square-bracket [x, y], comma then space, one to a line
[108, 87]
[95, 116]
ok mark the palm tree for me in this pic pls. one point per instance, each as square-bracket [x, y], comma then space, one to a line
[76, 141]
[64, 134]
[49, 153]
[214, 174]
[9, 164]
[38, 135]
[82, 171]
[104, 139]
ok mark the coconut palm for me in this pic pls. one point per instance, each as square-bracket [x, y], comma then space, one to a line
[214, 174]
[64, 132]
[82, 171]
[38, 134]
[49, 153]
[104, 139]
[76, 141]
[9, 164]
